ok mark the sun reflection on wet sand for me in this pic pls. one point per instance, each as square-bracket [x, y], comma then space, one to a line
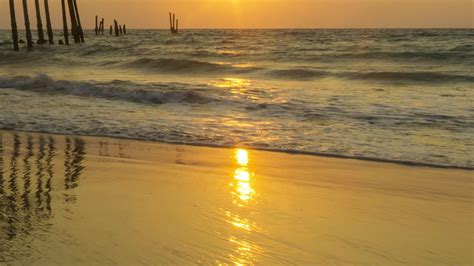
[242, 184]
[243, 193]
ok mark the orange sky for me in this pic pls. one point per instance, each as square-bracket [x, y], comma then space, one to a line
[267, 13]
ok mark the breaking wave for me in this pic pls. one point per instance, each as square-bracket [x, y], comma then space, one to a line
[155, 93]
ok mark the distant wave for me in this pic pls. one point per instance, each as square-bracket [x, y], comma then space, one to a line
[186, 66]
[168, 65]
[156, 93]
[430, 77]
[426, 77]
[299, 74]
[452, 56]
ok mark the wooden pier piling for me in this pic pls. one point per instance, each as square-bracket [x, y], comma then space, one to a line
[96, 25]
[14, 26]
[65, 29]
[48, 23]
[29, 38]
[120, 30]
[102, 26]
[173, 24]
[116, 28]
[79, 25]
[111, 30]
[39, 23]
[124, 29]
[72, 16]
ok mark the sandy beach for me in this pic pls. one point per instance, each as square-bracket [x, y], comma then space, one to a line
[69, 200]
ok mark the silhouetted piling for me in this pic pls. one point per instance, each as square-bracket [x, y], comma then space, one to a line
[111, 30]
[65, 29]
[116, 28]
[96, 25]
[124, 29]
[79, 25]
[120, 30]
[103, 25]
[48, 23]
[29, 38]
[14, 26]
[39, 23]
[173, 24]
[72, 16]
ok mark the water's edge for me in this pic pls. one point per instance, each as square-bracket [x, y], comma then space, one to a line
[286, 151]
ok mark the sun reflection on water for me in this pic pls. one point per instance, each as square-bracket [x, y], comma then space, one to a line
[231, 83]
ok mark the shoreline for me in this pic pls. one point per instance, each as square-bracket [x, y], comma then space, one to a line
[289, 152]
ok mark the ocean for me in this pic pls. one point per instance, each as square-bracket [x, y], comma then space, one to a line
[393, 95]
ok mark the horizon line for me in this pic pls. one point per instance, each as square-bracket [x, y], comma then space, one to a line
[289, 28]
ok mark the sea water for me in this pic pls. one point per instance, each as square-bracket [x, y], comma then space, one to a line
[390, 95]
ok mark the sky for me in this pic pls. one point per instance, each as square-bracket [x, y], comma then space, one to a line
[264, 13]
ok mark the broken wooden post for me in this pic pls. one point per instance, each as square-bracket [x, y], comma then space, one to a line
[79, 25]
[124, 29]
[48, 23]
[103, 25]
[176, 29]
[96, 25]
[39, 23]
[29, 38]
[111, 31]
[14, 26]
[65, 29]
[120, 30]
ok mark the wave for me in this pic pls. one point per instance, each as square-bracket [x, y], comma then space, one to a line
[187, 66]
[299, 74]
[155, 93]
[430, 77]
[425, 77]
[452, 56]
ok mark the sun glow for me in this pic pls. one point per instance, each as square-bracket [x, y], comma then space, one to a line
[242, 157]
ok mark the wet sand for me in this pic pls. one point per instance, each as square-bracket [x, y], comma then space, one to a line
[68, 200]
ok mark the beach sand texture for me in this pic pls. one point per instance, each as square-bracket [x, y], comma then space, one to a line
[67, 200]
